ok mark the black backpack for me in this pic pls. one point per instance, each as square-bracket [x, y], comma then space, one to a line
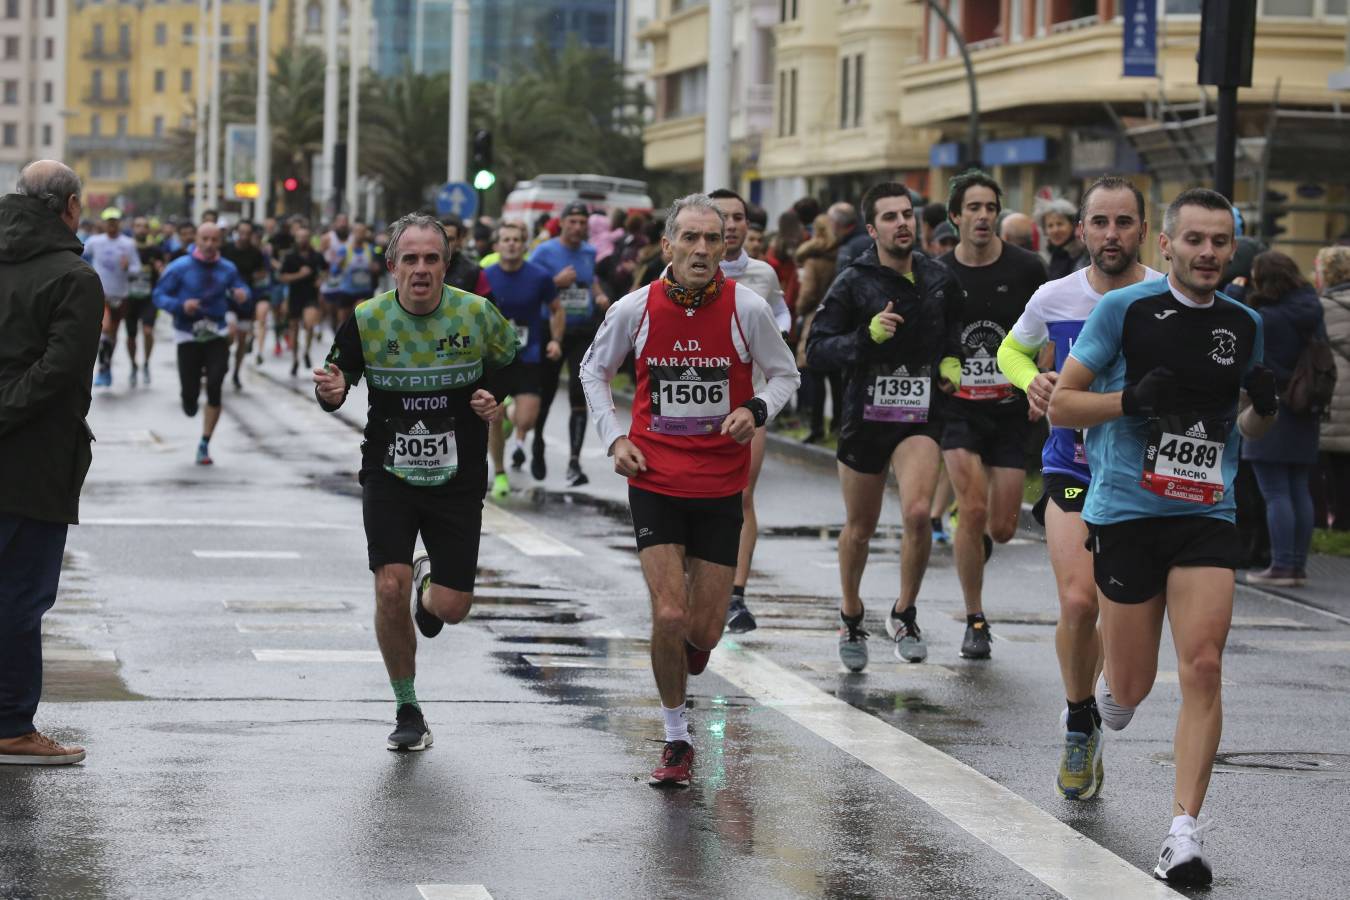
[1314, 378]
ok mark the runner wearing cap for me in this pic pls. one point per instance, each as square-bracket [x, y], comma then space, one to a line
[114, 257]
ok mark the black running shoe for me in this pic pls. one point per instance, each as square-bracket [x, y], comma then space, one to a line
[576, 477]
[976, 643]
[429, 625]
[739, 618]
[538, 468]
[411, 732]
[518, 459]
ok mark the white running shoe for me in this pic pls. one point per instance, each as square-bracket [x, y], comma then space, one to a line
[909, 643]
[1114, 715]
[1181, 861]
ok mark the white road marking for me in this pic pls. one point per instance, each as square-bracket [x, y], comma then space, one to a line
[553, 661]
[920, 670]
[454, 892]
[1030, 837]
[274, 627]
[245, 554]
[217, 523]
[286, 605]
[1344, 620]
[1300, 646]
[318, 656]
[1165, 677]
[522, 535]
[74, 654]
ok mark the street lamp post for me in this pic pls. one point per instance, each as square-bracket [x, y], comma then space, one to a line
[199, 156]
[263, 123]
[459, 92]
[974, 137]
[353, 106]
[330, 108]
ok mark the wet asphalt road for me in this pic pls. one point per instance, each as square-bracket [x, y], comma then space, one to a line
[212, 648]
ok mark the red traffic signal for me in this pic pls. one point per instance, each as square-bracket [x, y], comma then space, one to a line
[291, 184]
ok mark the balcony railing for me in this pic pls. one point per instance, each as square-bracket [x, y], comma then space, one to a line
[1075, 24]
[116, 144]
[101, 99]
[106, 53]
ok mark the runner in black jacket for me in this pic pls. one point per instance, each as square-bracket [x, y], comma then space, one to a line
[890, 323]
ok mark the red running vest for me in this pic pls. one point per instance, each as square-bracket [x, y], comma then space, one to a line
[690, 378]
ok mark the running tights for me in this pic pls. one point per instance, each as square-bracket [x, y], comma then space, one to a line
[202, 358]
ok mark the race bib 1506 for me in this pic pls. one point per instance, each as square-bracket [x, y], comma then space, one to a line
[689, 399]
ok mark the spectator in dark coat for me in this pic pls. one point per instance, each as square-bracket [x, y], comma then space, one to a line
[1283, 459]
[51, 312]
[1332, 500]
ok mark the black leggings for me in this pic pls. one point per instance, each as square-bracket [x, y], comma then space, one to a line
[196, 358]
[574, 347]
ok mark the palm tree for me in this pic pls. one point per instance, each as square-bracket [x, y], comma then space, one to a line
[404, 121]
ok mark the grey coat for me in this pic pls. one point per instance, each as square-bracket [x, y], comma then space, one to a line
[1336, 310]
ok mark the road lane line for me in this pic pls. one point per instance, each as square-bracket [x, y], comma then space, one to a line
[1031, 838]
[72, 654]
[454, 892]
[274, 627]
[259, 606]
[525, 537]
[245, 554]
[318, 656]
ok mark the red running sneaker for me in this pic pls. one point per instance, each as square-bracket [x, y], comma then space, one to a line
[698, 659]
[677, 765]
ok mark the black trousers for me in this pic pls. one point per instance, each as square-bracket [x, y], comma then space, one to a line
[574, 347]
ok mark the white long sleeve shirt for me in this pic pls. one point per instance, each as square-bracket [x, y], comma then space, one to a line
[106, 255]
[624, 331]
[760, 277]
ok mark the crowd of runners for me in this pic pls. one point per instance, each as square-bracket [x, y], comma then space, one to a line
[953, 353]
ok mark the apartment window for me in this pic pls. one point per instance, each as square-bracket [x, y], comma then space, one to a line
[49, 48]
[161, 34]
[96, 84]
[124, 38]
[165, 170]
[106, 168]
[123, 85]
[1016, 21]
[787, 10]
[313, 17]
[225, 49]
[782, 103]
[934, 32]
[46, 135]
[845, 86]
[953, 10]
[51, 9]
[186, 85]
[857, 90]
[187, 32]
[1288, 8]
[11, 91]
[159, 126]
[95, 125]
[686, 93]
[11, 9]
[11, 134]
[121, 125]
[46, 92]
[12, 47]
[98, 38]
[792, 103]
[252, 38]
[159, 81]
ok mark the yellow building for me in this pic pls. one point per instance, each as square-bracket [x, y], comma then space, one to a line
[131, 83]
[678, 39]
[836, 125]
[1056, 111]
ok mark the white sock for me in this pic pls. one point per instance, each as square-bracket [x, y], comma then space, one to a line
[517, 444]
[1182, 823]
[677, 723]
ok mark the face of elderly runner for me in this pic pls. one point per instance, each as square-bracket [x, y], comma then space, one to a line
[697, 248]
[419, 267]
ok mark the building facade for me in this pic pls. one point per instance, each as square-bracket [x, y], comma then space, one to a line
[1056, 111]
[33, 53]
[678, 37]
[131, 85]
[836, 127]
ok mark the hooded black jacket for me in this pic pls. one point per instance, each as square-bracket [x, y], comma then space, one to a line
[931, 330]
[51, 312]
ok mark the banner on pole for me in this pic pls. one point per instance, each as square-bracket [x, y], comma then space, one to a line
[1139, 52]
[241, 159]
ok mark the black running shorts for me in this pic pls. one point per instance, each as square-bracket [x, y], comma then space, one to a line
[1068, 493]
[529, 378]
[1131, 559]
[708, 528]
[140, 312]
[395, 513]
[870, 449]
[1000, 435]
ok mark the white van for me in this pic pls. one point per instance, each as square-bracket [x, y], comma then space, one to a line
[550, 193]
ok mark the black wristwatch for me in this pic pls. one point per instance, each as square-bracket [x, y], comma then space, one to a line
[759, 409]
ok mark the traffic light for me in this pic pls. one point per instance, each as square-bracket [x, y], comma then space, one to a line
[1275, 208]
[291, 184]
[481, 165]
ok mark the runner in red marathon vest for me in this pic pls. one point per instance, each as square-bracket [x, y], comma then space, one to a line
[695, 335]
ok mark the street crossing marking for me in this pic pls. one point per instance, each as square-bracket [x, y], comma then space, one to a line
[218, 523]
[1031, 838]
[245, 554]
[318, 656]
[74, 654]
[520, 534]
[454, 892]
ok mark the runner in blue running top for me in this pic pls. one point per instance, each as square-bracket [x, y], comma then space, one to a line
[526, 294]
[1157, 377]
[1112, 227]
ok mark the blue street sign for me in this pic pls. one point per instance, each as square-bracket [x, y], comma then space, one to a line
[457, 198]
[1139, 27]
